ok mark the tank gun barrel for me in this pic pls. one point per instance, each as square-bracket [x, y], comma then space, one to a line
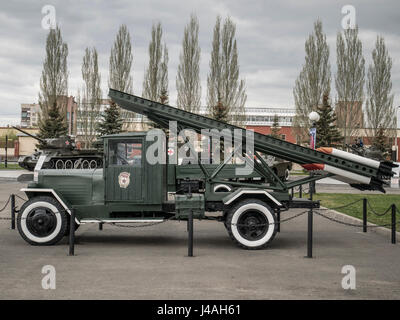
[30, 135]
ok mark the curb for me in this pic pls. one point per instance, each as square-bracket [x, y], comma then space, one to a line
[349, 219]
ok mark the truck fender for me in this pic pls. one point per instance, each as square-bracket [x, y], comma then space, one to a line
[222, 188]
[246, 192]
[63, 202]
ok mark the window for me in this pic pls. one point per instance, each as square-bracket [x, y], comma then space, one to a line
[283, 137]
[125, 153]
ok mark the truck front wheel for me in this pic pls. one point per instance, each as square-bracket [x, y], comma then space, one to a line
[251, 224]
[42, 221]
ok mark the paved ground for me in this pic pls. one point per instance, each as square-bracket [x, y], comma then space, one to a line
[150, 263]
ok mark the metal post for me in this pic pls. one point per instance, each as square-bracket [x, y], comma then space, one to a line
[309, 233]
[13, 211]
[301, 191]
[393, 223]
[365, 215]
[72, 233]
[278, 219]
[101, 226]
[190, 240]
[292, 192]
[5, 161]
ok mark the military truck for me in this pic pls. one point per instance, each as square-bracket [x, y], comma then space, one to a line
[131, 187]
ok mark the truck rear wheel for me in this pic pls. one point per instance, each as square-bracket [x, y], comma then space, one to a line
[42, 221]
[251, 224]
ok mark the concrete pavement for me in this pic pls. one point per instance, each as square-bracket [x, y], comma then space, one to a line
[151, 263]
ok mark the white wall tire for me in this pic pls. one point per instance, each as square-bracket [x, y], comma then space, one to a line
[42, 221]
[242, 220]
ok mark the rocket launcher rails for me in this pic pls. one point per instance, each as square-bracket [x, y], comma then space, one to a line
[364, 173]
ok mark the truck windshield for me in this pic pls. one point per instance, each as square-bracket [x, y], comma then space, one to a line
[125, 153]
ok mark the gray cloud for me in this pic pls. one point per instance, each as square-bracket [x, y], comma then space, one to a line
[270, 37]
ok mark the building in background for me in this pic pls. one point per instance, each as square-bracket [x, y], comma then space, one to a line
[261, 119]
[83, 119]
[30, 113]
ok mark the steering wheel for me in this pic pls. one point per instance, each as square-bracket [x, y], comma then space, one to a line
[122, 158]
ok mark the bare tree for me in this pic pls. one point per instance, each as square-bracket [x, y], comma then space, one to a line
[379, 105]
[121, 57]
[188, 76]
[155, 84]
[349, 80]
[54, 79]
[313, 81]
[89, 105]
[164, 95]
[224, 89]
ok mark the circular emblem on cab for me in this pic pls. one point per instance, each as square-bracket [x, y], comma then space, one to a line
[123, 179]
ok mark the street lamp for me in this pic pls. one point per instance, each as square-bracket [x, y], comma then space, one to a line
[314, 118]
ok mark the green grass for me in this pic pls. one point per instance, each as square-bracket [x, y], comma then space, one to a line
[379, 202]
[10, 166]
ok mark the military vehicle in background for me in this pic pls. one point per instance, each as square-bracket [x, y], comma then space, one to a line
[370, 152]
[62, 153]
[279, 166]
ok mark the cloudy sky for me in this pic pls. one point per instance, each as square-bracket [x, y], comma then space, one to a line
[270, 35]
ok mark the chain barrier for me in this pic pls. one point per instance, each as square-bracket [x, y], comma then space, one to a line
[376, 213]
[255, 225]
[343, 206]
[21, 198]
[352, 224]
[5, 206]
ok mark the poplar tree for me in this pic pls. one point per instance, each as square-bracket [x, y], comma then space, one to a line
[313, 81]
[155, 83]
[188, 77]
[120, 66]
[53, 87]
[224, 89]
[349, 80]
[89, 105]
[379, 105]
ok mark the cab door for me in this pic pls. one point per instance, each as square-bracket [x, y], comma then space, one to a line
[124, 172]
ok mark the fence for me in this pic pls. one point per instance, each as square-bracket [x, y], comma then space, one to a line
[366, 205]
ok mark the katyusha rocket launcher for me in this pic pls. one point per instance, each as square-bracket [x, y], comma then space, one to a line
[360, 172]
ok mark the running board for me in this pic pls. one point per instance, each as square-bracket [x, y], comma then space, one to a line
[83, 221]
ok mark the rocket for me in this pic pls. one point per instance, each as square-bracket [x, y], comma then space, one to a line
[351, 178]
